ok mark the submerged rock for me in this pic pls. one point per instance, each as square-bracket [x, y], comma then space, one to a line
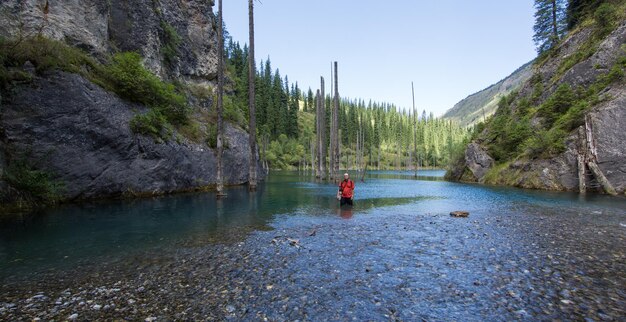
[478, 161]
[459, 214]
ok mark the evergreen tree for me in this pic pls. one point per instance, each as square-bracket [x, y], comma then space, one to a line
[550, 24]
[294, 107]
[578, 9]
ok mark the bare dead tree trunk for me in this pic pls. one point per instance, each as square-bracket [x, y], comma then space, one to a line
[323, 146]
[582, 152]
[337, 157]
[251, 100]
[361, 144]
[331, 155]
[355, 164]
[318, 136]
[220, 101]
[414, 130]
[336, 121]
[604, 182]
[313, 167]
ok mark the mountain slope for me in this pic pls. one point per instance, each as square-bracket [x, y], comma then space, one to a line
[481, 105]
[563, 128]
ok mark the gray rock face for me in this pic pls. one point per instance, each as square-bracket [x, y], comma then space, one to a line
[80, 134]
[478, 161]
[609, 124]
[104, 26]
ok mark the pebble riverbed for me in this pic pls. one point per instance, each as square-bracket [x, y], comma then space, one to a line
[384, 264]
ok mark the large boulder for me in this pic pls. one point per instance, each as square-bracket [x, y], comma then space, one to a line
[478, 161]
[79, 133]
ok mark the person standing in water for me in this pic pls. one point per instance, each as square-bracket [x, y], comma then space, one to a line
[346, 189]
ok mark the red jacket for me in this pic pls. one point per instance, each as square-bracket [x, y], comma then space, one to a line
[346, 188]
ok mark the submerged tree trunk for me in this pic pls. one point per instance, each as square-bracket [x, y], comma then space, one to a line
[604, 182]
[313, 167]
[336, 121]
[220, 100]
[318, 136]
[414, 130]
[331, 152]
[323, 146]
[251, 101]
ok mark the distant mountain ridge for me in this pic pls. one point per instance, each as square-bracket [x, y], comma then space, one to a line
[480, 105]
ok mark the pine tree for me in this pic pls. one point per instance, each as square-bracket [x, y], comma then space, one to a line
[578, 9]
[293, 112]
[550, 24]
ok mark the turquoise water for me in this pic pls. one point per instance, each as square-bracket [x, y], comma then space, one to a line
[90, 233]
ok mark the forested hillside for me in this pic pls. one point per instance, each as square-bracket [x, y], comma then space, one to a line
[382, 135]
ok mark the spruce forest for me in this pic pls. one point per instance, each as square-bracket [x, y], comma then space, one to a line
[373, 134]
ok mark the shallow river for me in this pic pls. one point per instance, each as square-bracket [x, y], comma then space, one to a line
[288, 252]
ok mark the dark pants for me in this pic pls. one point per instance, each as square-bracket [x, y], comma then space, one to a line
[345, 200]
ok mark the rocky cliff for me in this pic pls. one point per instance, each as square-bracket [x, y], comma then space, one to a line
[564, 128]
[70, 131]
[145, 26]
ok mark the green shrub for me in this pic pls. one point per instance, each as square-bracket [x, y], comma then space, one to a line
[151, 123]
[574, 117]
[45, 54]
[232, 112]
[171, 42]
[545, 143]
[135, 83]
[38, 184]
[211, 140]
[192, 131]
[605, 18]
[557, 104]
[284, 153]
[201, 92]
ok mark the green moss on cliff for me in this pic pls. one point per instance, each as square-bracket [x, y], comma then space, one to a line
[34, 186]
[122, 74]
[171, 42]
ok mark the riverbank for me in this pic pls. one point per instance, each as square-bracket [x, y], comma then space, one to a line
[399, 262]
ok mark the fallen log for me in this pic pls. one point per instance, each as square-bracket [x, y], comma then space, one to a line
[582, 156]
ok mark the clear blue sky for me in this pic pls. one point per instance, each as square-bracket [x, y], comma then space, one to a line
[448, 48]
